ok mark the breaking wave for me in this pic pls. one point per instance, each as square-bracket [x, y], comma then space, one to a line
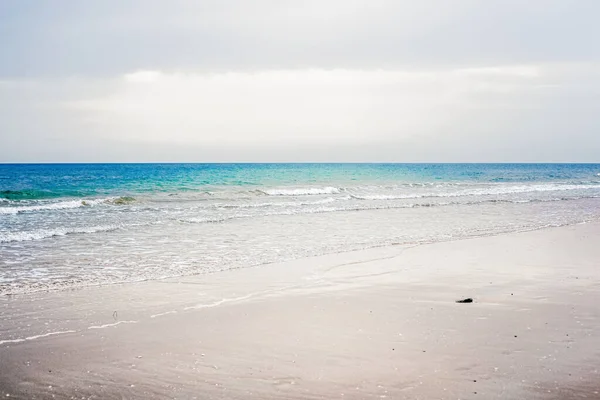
[349, 208]
[64, 205]
[6, 237]
[490, 191]
[301, 191]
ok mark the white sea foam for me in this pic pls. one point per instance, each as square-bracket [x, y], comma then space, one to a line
[385, 196]
[6, 237]
[489, 191]
[552, 187]
[215, 220]
[225, 301]
[111, 325]
[26, 339]
[162, 314]
[62, 205]
[369, 207]
[29, 338]
[276, 204]
[301, 191]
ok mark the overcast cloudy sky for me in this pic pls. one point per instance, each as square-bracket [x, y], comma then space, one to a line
[304, 80]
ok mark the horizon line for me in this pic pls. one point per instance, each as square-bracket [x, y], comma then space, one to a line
[302, 162]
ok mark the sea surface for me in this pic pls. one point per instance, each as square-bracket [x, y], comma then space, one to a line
[73, 225]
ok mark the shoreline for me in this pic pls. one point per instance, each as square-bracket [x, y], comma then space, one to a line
[365, 324]
[293, 260]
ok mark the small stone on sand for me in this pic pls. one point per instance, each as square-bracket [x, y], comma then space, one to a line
[467, 300]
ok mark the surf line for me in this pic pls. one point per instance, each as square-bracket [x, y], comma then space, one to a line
[30, 338]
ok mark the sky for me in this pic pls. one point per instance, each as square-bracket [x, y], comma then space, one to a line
[299, 81]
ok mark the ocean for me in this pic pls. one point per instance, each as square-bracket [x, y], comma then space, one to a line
[73, 225]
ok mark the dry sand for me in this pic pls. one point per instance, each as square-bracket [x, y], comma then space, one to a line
[379, 323]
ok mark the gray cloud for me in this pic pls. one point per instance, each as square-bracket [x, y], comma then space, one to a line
[70, 37]
[273, 80]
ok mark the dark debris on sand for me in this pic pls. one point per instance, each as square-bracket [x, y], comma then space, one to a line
[467, 300]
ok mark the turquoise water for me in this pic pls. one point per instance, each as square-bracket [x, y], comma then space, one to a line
[74, 225]
[36, 181]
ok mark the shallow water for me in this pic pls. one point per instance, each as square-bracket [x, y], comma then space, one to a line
[75, 225]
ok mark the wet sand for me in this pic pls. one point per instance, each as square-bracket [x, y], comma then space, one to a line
[379, 323]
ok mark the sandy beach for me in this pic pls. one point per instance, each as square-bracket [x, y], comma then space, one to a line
[371, 324]
[309, 200]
